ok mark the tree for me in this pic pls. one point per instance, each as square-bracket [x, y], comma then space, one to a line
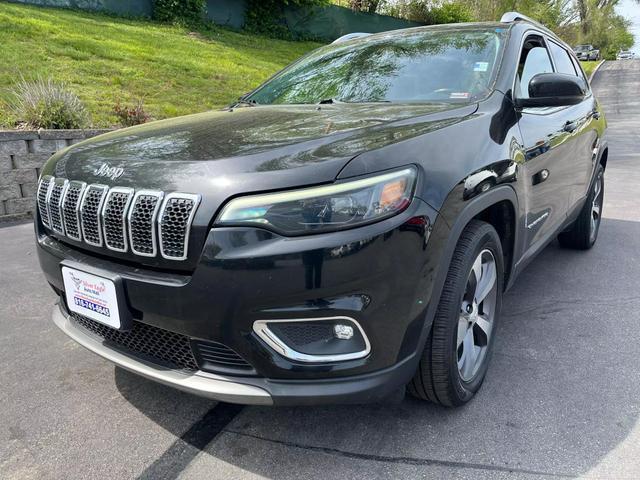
[429, 12]
[576, 21]
[369, 6]
[602, 26]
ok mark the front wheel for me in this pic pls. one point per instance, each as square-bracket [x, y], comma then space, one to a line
[456, 357]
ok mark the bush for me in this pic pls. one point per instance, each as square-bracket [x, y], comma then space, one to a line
[130, 116]
[184, 12]
[266, 17]
[45, 104]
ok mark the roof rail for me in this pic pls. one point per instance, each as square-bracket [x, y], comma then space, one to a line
[515, 16]
[350, 36]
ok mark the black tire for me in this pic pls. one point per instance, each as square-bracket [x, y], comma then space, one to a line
[438, 378]
[582, 235]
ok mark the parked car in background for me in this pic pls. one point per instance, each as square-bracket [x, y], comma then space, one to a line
[625, 55]
[346, 229]
[587, 52]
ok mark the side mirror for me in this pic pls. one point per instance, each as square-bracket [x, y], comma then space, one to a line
[554, 90]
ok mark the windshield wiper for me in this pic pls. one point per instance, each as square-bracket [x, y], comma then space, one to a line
[241, 102]
[326, 101]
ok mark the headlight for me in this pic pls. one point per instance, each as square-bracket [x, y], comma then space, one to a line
[325, 208]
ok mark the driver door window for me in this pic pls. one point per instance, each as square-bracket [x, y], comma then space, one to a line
[533, 60]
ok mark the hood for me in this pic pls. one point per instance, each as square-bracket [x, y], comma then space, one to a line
[247, 149]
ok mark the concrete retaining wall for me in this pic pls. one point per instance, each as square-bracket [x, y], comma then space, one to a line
[22, 154]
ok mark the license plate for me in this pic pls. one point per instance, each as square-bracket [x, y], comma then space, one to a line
[92, 296]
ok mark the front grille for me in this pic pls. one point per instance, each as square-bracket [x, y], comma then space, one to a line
[118, 217]
[55, 205]
[46, 183]
[215, 356]
[114, 217]
[158, 345]
[142, 220]
[169, 349]
[175, 220]
[90, 214]
[71, 209]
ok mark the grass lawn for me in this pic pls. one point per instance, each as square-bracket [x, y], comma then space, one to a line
[589, 67]
[106, 59]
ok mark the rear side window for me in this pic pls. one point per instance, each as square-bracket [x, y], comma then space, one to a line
[562, 59]
[534, 59]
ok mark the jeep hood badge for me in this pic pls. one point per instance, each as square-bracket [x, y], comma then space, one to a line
[105, 170]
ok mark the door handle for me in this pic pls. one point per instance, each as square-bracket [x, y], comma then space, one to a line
[570, 126]
[595, 114]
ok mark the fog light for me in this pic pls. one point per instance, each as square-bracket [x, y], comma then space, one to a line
[315, 340]
[343, 332]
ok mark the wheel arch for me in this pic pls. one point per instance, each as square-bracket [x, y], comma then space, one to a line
[495, 206]
[604, 156]
[482, 206]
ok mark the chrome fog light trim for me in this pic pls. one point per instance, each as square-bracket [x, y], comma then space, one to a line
[261, 328]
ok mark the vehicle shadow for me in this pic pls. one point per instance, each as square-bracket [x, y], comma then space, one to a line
[561, 393]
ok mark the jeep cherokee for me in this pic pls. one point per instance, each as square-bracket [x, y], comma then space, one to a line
[343, 231]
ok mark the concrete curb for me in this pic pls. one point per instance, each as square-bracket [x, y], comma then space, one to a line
[595, 70]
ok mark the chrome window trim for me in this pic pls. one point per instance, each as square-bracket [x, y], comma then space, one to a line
[105, 190]
[196, 201]
[529, 33]
[154, 217]
[82, 186]
[103, 210]
[48, 179]
[261, 328]
[65, 185]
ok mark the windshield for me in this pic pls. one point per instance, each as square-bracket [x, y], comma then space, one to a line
[582, 48]
[425, 65]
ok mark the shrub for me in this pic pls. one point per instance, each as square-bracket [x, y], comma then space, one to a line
[266, 17]
[184, 12]
[130, 116]
[46, 104]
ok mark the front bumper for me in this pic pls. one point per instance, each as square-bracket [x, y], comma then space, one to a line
[200, 383]
[380, 275]
[250, 390]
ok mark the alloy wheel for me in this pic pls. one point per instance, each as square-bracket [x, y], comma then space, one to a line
[477, 312]
[596, 206]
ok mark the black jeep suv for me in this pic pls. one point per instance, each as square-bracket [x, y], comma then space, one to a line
[343, 231]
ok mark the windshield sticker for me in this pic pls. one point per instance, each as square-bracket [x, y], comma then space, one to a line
[480, 66]
[459, 95]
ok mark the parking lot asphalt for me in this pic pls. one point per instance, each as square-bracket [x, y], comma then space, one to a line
[561, 399]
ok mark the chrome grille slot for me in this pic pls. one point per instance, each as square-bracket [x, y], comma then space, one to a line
[90, 209]
[114, 214]
[176, 214]
[44, 189]
[55, 204]
[142, 222]
[71, 209]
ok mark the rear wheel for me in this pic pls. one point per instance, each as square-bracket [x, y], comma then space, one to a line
[584, 231]
[455, 359]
